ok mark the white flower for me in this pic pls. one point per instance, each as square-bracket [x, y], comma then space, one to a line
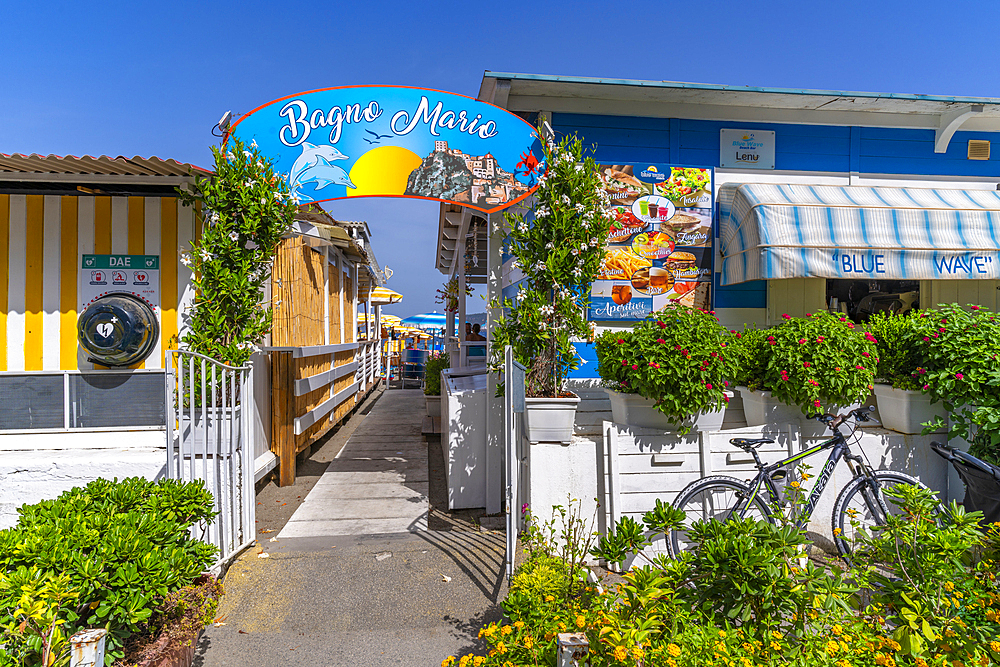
[549, 246]
[254, 143]
[566, 200]
[575, 252]
[263, 200]
[246, 154]
[580, 208]
[593, 241]
[278, 196]
[233, 236]
[230, 157]
[185, 259]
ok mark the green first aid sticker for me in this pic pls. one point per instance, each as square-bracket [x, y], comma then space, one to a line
[148, 262]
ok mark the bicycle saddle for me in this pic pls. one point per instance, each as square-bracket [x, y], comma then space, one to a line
[745, 443]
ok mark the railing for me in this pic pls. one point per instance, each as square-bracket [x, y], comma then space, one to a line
[369, 364]
[209, 410]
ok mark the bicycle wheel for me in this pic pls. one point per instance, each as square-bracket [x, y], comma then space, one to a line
[713, 498]
[859, 503]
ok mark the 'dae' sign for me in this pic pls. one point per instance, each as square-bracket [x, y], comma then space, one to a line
[364, 141]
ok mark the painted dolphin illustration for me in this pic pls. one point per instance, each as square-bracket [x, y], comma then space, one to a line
[313, 166]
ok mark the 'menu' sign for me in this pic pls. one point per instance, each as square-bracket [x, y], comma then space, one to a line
[364, 141]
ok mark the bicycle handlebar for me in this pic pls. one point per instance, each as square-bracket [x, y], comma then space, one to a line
[834, 421]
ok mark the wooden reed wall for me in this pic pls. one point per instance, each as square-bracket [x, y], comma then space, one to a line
[302, 295]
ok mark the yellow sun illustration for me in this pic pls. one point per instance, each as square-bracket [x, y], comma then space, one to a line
[382, 171]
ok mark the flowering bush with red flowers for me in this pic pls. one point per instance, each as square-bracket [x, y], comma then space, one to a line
[959, 348]
[677, 357]
[819, 362]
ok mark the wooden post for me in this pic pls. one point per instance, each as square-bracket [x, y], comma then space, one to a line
[283, 415]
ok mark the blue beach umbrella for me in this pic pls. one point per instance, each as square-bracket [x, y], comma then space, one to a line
[435, 321]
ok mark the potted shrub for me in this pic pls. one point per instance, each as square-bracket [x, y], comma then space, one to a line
[961, 370]
[432, 382]
[669, 372]
[804, 367]
[558, 245]
[902, 405]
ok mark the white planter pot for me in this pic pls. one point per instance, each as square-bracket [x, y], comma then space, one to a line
[550, 419]
[214, 430]
[635, 410]
[905, 410]
[433, 405]
[761, 408]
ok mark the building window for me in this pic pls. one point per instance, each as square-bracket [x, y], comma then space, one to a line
[860, 299]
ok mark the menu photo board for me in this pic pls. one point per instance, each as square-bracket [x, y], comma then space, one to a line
[660, 244]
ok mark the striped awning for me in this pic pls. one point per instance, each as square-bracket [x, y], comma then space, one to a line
[770, 231]
[385, 296]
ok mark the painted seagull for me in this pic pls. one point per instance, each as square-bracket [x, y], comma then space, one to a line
[314, 166]
[379, 136]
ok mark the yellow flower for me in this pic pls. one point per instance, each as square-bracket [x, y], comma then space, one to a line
[501, 648]
[549, 598]
[832, 647]
[843, 663]
[747, 647]
[948, 586]
[464, 660]
[837, 630]
[518, 624]
[562, 627]
[508, 663]
[920, 662]
[775, 634]
[581, 621]
[722, 633]
[746, 661]
[478, 661]
[448, 662]
[995, 645]
[506, 630]
[674, 650]
[836, 532]
[775, 646]
[671, 662]
[620, 653]
[638, 653]
[794, 485]
[528, 641]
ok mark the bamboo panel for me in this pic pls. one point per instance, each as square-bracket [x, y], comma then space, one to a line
[350, 306]
[307, 367]
[334, 296]
[297, 289]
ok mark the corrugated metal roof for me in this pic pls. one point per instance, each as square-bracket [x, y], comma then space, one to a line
[88, 164]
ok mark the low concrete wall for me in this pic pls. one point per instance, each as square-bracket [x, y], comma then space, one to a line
[40, 466]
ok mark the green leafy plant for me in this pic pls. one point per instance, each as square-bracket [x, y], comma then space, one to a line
[898, 357]
[244, 210]
[559, 246]
[677, 357]
[448, 295]
[959, 349]
[748, 352]
[432, 373]
[116, 548]
[819, 360]
[928, 571]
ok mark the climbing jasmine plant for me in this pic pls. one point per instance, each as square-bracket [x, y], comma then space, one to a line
[559, 245]
[245, 208]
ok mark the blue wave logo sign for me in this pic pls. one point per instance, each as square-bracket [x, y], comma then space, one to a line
[394, 141]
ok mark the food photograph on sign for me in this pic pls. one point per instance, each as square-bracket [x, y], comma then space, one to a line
[660, 242]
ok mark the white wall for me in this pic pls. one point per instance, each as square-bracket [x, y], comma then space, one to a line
[29, 475]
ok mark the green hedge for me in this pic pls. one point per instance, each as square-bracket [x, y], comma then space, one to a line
[101, 556]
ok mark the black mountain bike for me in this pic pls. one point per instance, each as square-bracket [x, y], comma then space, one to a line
[861, 502]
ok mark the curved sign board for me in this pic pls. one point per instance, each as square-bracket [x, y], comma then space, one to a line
[393, 141]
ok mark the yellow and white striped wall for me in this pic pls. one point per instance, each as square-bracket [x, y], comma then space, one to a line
[42, 239]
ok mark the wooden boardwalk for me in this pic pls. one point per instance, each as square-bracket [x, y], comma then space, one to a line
[378, 484]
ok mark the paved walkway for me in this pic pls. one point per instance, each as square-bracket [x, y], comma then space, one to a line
[378, 483]
[354, 577]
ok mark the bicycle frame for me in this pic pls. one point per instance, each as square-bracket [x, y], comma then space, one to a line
[840, 450]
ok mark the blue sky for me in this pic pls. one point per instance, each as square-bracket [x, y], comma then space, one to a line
[139, 78]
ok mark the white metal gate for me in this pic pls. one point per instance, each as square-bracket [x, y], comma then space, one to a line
[210, 433]
[515, 451]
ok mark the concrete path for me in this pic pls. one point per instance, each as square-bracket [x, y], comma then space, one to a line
[354, 577]
[378, 483]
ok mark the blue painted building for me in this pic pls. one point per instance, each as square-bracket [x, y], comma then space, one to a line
[875, 201]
